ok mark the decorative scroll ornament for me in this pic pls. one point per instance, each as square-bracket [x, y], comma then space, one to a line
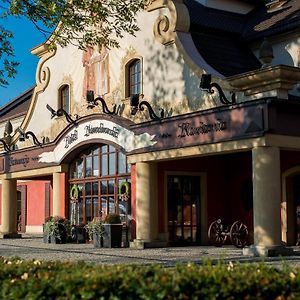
[164, 31]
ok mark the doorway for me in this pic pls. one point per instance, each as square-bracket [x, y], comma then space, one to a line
[184, 209]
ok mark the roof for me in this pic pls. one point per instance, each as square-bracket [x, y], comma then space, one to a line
[263, 23]
[217, 35]
[16, 107]
[224, 38]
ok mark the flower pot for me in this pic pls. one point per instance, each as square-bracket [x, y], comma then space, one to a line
[112, 237]
[97, 240]
[78, 234]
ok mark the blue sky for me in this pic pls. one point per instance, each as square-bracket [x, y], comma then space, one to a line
[26, 37]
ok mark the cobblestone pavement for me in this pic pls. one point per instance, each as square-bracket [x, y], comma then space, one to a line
[32, 247]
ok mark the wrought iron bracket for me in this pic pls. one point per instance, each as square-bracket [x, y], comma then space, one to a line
[92, 102]
[5, 146]
[34, 138]
[61, 112]
[104, 106]
[207, 85]
[152, 114]
[26, 135]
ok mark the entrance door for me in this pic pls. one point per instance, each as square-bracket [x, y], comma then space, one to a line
[183, 209]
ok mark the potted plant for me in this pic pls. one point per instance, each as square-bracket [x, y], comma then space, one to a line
[95, 231]
[55, 230]
[112, 237]
[78, 233]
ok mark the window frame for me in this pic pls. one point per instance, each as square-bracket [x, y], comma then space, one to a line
[128, 75]
[62, 98]
[99, 150]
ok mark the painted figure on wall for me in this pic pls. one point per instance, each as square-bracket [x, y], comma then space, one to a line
[96, 75]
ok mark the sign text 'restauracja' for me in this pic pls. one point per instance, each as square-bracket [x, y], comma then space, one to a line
[187, 129]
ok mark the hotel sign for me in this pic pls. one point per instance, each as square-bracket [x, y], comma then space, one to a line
[103, 130]
[194, 129]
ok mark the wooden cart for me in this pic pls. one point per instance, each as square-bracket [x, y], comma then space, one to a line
[219, 232]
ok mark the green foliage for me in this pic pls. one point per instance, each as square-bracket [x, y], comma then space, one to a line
[83, 23]
[112, 219]
[94, 227]
[58, 280]
[53, 224]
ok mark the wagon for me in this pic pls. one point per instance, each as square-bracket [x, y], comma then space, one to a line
[218, 233]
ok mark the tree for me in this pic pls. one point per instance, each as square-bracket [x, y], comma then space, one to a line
[83, 23]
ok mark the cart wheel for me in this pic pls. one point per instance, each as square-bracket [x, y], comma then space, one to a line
[239, 234]
[216, 235]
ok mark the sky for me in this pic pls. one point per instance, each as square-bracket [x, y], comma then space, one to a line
[26, 37]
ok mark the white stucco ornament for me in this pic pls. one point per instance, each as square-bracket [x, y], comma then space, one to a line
[97, 129]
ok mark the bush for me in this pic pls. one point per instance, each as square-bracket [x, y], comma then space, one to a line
[60, 280]
[112, 219]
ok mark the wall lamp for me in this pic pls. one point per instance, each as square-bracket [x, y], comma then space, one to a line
[92, 102]
[5, 146]
[61, 112]
[136, 105]
[26, 135]
[207, 85]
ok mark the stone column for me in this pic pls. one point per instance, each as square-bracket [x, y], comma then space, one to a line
[56, 204]
[266, 201]
[146, 206]
[9, 209]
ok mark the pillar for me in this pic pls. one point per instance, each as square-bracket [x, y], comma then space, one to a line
[9, 209]
[146, 206]
[266, 201]
[56, 204]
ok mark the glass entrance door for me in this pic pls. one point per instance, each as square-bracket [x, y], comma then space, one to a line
[183, 209]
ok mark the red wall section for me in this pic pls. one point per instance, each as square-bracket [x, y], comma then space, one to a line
[35, 202]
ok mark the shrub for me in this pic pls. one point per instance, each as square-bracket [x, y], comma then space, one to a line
[94, 227]
[61, 280]
[112, 219]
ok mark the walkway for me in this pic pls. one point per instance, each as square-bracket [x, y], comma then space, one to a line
[32, 247]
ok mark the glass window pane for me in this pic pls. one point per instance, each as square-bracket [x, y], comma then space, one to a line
[112, 164]
[88, 188]
[104, 165]
[111, 148]
[122, 210]
[88, 209]
[122, 163]
[96, 151]
[103, 206]
[96, 208]
[95, 188]
[96, 165]
[88, 166]
[104, 149]
[112, 205]
[80, 168]
[128, 168]
[80, 207]
[111, 187]
[103, 187]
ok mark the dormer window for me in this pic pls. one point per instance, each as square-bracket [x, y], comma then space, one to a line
[64, 98]
[134, 78]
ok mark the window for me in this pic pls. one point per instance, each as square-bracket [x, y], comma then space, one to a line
[64, 98]
[134, 78]
[98, 172]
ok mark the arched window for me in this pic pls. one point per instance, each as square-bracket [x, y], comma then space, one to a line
[134, 78]
[64, 98]
[98, 173]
